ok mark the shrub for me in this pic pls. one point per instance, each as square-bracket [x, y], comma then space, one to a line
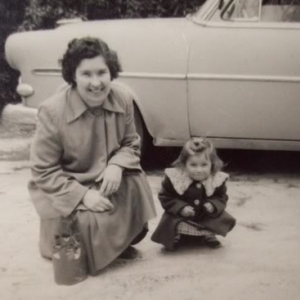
[43, 14]
[11, 15]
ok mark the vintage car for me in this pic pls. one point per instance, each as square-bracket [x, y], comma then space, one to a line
[230, 71]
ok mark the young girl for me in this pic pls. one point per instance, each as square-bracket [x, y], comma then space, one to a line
[194, 198]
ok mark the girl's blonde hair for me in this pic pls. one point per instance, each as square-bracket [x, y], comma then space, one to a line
[198, 145]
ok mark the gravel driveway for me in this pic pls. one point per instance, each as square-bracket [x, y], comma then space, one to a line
[259, 258]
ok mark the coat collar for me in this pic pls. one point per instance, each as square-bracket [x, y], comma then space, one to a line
[181, 181]
[76, 106]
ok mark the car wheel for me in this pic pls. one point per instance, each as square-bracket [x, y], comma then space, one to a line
[141, 130]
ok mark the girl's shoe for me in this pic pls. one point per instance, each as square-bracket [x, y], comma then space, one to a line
[211, 241]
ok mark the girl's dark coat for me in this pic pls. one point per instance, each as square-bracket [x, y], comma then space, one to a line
[220, 222]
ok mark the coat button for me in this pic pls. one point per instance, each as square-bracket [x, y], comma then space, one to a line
[198, 185]
[197, 202]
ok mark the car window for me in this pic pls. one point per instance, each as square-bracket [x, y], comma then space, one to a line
[280, 11]
[206, 9]
[263, 11]
[242, 10]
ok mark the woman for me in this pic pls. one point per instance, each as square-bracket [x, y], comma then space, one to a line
[85, 158]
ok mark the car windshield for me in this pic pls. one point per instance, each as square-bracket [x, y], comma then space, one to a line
[243, 10]
[205, 10]
[263, 11]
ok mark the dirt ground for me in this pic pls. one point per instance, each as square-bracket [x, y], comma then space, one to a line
[259, 258]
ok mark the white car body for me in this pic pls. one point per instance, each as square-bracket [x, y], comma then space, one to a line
[234, 80]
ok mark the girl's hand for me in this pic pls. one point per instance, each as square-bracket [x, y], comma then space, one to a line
[95, 202]
[209, 207]
[112, 177]
[187, 211]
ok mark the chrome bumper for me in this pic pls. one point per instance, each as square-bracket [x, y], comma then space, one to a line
[19, 114]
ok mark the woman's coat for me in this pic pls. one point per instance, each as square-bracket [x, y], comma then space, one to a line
[73, 146]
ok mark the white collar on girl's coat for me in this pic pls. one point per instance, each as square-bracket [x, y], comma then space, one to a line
[181, 181]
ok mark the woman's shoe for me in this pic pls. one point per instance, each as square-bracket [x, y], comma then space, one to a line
[129, 253]
[211, 241]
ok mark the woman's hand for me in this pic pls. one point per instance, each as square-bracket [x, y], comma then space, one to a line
[209, 207]
[187, 211]
[95, 202]
[112, 177]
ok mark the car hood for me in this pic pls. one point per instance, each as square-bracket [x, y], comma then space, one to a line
[151, 45]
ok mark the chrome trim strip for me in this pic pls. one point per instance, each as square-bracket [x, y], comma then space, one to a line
[260, 9]
[57, 72]
[192, 76]
[47, 72]
[253, 25]
[256, 144]
[237, 143]
[266, 78]
[152, 75]
[166, 142]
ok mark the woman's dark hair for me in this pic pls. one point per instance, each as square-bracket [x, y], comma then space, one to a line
[88, 47]
[198, 145]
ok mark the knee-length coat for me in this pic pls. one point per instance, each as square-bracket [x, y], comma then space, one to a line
[72, 147]
[178, 191]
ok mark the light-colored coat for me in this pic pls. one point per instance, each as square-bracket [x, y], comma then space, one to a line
[72, 147]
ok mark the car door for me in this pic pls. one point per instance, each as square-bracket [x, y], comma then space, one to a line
[244, 79]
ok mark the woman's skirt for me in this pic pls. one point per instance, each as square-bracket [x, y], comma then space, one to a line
[107, 234]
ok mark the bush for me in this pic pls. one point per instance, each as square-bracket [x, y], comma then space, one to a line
[43, 14]
[11, 15]
[139, 9]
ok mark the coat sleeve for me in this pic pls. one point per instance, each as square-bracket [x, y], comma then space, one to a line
[219, 200]
[62, 190]
[169, 198]
[128, 155]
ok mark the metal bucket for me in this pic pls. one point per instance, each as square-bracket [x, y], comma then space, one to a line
[69, 256]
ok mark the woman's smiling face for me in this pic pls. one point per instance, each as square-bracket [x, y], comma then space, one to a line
[93, 80]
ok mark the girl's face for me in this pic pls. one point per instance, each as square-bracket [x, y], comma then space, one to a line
[93, 80]
[198, 167]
